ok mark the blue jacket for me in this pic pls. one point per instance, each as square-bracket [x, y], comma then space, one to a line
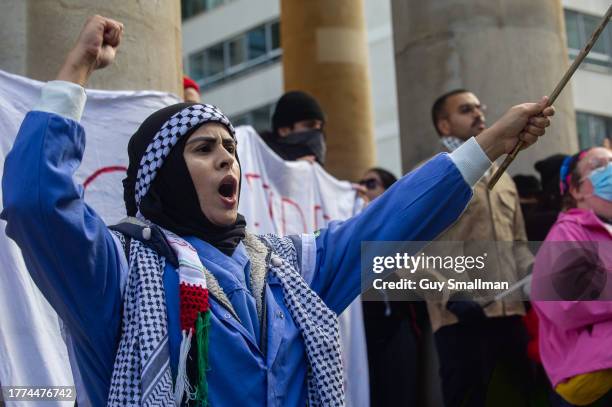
[77, 264]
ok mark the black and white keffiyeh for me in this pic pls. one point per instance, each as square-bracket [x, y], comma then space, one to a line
[317, 323]
[142, 376]
[451, 142]
[169, 134]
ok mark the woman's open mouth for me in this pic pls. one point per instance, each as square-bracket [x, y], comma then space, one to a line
[227, 191]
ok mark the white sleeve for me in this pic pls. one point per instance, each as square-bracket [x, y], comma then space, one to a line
[309, 256]
[471, 161]
[63, 98]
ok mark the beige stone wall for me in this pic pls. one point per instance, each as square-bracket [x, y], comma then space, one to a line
[325, 54]
[505, 51]
[149, 57]
[13, 36]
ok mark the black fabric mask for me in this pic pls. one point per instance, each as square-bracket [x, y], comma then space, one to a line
[299, 144]
[172, 201]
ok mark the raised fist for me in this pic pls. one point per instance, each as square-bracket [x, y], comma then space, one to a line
[95, 48]
[98, 40]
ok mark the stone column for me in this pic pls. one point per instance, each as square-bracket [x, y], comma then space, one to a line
[149, 57]
[13, 36]
[325, 54]
[505, 51]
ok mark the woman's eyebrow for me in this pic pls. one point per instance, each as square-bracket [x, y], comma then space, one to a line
[228, 139]
[201, 138]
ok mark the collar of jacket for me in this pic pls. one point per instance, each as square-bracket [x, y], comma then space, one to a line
[584, 217]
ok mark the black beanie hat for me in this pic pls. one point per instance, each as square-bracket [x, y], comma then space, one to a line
[549, 171]
[293, 107]
[527, 185]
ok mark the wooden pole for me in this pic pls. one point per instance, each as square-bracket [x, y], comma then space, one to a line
[555, 93]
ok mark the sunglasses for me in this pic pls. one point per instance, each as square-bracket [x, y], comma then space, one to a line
[369, 183]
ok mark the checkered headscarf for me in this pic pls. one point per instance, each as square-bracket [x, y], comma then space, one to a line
[179, 124]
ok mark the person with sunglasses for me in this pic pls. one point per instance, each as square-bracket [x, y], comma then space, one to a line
[376, 181]
[392, 327]
[572, 276]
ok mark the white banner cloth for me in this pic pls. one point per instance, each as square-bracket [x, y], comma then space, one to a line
[276, 197]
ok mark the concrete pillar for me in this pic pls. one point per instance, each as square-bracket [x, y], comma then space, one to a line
[505, 51]
[150, 53]
[13, 36]
[325, 54]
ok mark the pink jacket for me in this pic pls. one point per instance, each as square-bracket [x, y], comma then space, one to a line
[575, 336]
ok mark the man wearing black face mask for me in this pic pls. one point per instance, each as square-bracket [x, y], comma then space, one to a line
[297, 128]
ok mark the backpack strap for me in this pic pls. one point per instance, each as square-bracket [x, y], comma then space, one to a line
[149, 234]
[152, 236]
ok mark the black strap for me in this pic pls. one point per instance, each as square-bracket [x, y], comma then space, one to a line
[154, 238]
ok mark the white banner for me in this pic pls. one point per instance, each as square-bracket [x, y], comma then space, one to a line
[276, 197]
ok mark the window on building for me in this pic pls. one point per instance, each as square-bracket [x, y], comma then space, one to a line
[207, 63]
[257, 43]
[242, 53]
[190, 8]
[579, 28]
[197, 65]
[214, 62]
[592, 129]
[259, 118]
[237, 51]
[275, 35]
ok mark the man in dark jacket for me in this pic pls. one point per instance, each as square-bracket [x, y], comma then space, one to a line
[297, 128]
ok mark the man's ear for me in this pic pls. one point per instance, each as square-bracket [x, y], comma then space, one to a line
[284, 131]
[443, 126]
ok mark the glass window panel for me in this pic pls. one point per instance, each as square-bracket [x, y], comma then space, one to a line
[257, 42]
[592, 129]
[590, 24]
[190, 8]
[275, 35]
[237, 51]
[210, 4]
[261, 118]
[185, 10]
[214, 60]
[196, 66]
[571, 28]
[582, 124]
[598, 61]
[598, 130]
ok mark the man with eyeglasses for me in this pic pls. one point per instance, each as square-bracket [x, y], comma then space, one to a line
[474, 342]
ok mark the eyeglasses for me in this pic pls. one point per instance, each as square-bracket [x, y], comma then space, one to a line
[369, 183]
[469, 108]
